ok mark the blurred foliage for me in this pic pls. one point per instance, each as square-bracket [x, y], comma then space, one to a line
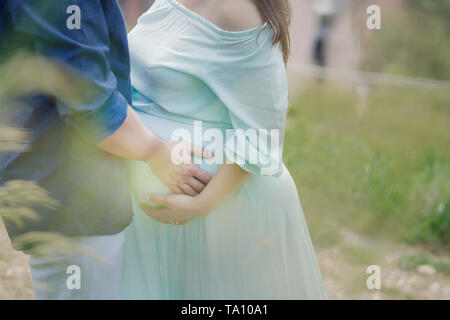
[382, 168]
[46, 244]
[12, 139]
[432, 8]
[18, 197]
[26, 74]
[17, 200]
[414, 42]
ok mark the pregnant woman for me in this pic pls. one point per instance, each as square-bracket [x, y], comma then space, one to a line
[219, 65]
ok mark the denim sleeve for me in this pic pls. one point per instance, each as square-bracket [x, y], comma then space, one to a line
[76, 33]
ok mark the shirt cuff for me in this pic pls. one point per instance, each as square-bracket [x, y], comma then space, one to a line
[106, 120]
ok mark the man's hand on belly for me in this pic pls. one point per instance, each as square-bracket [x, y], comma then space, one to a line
[172, 164]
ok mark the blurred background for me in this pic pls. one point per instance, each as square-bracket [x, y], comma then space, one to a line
[367, 142]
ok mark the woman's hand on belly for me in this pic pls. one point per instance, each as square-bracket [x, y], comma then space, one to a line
[180, 208]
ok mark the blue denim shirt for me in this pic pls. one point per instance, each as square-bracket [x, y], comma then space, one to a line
[90, 185]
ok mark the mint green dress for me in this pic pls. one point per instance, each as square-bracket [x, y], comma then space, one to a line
[256, 245]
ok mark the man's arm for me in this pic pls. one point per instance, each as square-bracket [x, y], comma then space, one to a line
[103, 115]
[124, 144]
[133, 141]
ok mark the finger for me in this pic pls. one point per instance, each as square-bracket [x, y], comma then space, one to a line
[196, 185]
[157, 198]
[189, 190]
[167, 221]
[179, 223]
[163, 221]
[158, 213]
[155, 213]
[202, 175]
[172, 222]
[161, 215]
[176, 190]
[200, 152]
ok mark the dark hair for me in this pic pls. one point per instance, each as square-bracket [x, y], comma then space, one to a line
[277, 13]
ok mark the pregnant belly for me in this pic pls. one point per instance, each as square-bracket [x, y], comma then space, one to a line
[142, 179]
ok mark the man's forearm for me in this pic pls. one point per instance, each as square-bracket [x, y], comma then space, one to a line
[135, 142]
[132, 140]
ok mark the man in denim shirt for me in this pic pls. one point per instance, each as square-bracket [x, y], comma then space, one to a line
[79, 145]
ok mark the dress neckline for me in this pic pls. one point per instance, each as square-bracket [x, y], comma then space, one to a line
[213, 26]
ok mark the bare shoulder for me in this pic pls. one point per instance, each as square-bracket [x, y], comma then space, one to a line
[238, 15]
[232, 15]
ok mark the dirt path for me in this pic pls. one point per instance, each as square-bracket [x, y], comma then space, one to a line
[344, 269]
[15, 280]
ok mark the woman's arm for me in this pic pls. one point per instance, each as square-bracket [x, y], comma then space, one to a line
[179, 209]
[227, 180]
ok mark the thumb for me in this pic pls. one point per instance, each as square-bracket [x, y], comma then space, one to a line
[200, 152]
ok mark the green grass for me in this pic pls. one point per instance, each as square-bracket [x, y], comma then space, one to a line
[384, 171]
[412, 261]
[360, 255]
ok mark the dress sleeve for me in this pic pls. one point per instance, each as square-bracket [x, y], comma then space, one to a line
[252, 84]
